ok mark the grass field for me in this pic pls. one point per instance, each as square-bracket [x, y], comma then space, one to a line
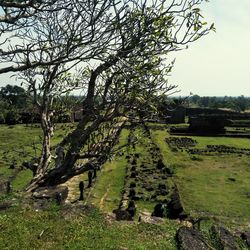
[204, 182]
[49, 230]
[21, 143]
[111, 182]
[107, 191]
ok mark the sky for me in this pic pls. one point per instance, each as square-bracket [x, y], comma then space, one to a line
[217, 64]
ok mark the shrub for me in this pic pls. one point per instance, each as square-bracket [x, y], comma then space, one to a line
[12, 117]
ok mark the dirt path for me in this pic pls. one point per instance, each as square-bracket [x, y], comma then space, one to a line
[103, 198]
[73, 187]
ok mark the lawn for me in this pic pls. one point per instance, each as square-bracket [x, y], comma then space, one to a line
[205, 182]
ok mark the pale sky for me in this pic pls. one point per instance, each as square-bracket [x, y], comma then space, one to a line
[218, 64]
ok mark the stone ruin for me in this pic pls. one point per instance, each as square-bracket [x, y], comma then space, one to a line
[81, 189]
[180, 143]
[175, 115]
[43, 195]
[207, 124]
[191, 238]
[221, 149]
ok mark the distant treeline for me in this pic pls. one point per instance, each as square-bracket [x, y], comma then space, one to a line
[240, 103]
[16, 106]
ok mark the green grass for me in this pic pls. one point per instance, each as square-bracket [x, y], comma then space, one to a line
[20, 182]
[20, 229]
[110, 183]
[202, 181]
[206, 189]
[108, 187]
[16, 145]
[21, 143]
[231, 142]
[204, 185]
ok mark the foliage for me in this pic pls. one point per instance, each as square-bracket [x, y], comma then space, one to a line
[239, 103]
[12, 117]
[16, 106]
[15, 96]
[13, 100]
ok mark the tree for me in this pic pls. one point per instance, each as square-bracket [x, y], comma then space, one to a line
[61, 39]
[115, 50]
[16, 15]
[15, 96]
[240, 103]
[12, 117]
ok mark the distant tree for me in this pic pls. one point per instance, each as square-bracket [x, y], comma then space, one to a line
[15, 96]
[4, 105]
[240, 103]
[12, 117]
[65, 105]
[204, 101]
[195, 99]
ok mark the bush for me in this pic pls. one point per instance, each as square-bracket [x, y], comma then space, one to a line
[12, 117]
[63, 118]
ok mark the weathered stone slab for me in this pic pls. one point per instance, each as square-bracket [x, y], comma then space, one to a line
[5, 187]
[159, 210]
[147, 218]
[246, 236]
[122, 215]
[191, 239]
[160, 164]
[175, 209]
[55, 192]
[224, 237]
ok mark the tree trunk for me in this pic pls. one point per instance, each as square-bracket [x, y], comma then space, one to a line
[68, 170]
[76, 141]
[45, 158]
